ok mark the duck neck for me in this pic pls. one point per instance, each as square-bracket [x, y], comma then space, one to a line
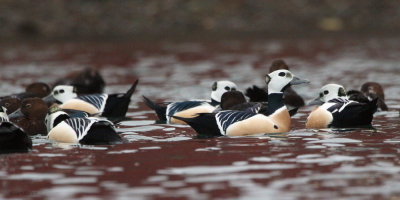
[214, 102]
[275, 102]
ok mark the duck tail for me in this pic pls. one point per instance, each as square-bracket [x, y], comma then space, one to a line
[160, 110]
[131, 90]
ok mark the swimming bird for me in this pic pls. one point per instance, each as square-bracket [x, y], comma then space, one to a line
[112, 106]
[10, 103]
[369, 91]
[275, 119]
[291, 99]
[85, 81]
[187, 109]
[30, 117]
[12, 138]
[36, 89]
[337, 111]
[85, 130]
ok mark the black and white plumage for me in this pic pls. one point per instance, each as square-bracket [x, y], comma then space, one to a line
[254, 120]
[12, 138]
[342, 113]
[84, 130]
[112, 106]
[188, 109]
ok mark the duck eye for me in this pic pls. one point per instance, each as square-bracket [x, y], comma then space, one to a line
[28, 105]
[7, 104]
[227, 88]
[61, 91]
[326, 92]
[282, 74]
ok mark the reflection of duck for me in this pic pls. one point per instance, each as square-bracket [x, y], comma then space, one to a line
[369, 91]
[275, 119]
[338, 111]
[30, 117]
[290, 97]
[112, 106]
[86, 81]
[12, 138]
[85, 130]
[187, 109]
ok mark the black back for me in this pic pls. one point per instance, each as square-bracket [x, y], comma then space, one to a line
[355, 114]
[204, 124]
[13, 139]
[101, 133]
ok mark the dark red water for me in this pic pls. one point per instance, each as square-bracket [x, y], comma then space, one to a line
[166, 161]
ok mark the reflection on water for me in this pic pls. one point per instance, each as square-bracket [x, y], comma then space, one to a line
[168, 161]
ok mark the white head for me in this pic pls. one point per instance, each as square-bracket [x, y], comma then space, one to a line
[55, 113]
[278, 80]
[220, 87]
[3, 114]
[63, 93]
[331, 91]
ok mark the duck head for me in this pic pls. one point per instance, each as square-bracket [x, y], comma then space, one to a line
[61, 94]
[328, 92]
[31, 108]
[277, 65]
[39, 89]
[232, 98]
[10, 103]
[219, 88]
[279, 80]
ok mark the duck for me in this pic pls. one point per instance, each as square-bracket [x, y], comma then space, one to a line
[30, 117]
[338, 111]
[10, 103]
[165, 110]
[369, 91]
[292, 100]
[36, 89]
[63, 128]
[85, 81]
[12, 138]
[111, 106]
[275, 119]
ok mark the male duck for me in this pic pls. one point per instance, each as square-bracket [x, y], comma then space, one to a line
[291, 99]
[275, 119]
[112, 106]
[338, 111]
[12, 138]
[188, 109]
[85, 130]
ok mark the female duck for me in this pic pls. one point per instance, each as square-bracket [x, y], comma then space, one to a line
[275, 119]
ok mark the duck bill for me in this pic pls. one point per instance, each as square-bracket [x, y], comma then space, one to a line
[315, 102]
[297, 81]
[16, 114]
[49, 99]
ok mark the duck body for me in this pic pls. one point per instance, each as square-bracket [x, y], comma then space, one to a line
[12, 138]
[188, 109]
[111, 106]
[342, 113]
[85, 130]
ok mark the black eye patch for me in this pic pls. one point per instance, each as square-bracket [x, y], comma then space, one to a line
[233, 89]
[61, 91]
[227, 88]
[282, 74]
[326, 92]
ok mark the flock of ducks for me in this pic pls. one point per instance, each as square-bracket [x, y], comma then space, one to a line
[76, 110]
